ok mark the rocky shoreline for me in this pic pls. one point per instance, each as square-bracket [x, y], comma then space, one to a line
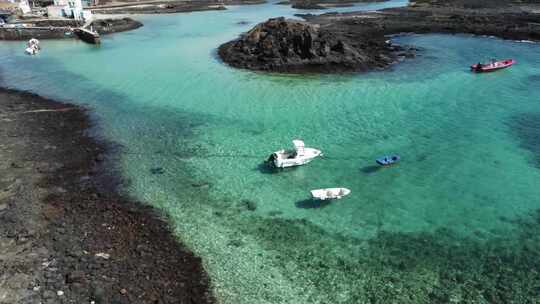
[324, 4]
[64, 29]
[67, 235]
[169, 7]
[364, 35]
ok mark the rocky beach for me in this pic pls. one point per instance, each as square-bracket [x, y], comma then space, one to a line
[285, 46]
[67, 235]
[64, 29]
[168, 7]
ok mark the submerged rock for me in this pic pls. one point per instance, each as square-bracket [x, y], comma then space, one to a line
[157, 170]
[282, 45]
[250, 205]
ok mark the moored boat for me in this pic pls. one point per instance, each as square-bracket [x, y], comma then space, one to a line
[32, 47]
[330, 193]
[289, 158]
[388, 160]
[494, 65]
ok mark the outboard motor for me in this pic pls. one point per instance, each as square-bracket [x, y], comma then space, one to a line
[270, 160]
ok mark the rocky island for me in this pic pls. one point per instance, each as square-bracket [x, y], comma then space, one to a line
[281, 45]
[357, 41]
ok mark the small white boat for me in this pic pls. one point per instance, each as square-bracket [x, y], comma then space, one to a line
[32, 47]
[289, 158]
[330, 193]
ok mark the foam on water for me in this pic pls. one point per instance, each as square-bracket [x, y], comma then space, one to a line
[195, 133]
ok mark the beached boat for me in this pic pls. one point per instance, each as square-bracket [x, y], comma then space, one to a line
[289, 158]
[388, 160]
[492, 66]
[330, 193]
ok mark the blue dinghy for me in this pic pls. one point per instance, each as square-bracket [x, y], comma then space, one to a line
[388, 160]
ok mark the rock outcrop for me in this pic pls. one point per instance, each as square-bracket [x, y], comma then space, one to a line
[109, 26]
[323, 4]
[64, 29]
[281, 45]
[356, 41]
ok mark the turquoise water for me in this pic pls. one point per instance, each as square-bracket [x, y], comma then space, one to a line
[455, 221]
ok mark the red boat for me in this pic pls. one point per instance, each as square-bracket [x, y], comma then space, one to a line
[492, 66]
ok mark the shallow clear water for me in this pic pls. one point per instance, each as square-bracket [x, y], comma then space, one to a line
[469, 143]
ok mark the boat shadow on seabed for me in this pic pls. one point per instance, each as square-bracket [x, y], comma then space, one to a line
[312, 204]
[267, 168]
[371, 169]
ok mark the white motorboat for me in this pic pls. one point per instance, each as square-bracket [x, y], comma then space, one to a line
[289, 158]
[32, 47]
[330, 193]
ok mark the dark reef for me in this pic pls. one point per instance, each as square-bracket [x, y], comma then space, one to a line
[421, 267]
[526, 127]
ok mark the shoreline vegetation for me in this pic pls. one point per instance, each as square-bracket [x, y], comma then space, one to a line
[355, 42]
[67, 234]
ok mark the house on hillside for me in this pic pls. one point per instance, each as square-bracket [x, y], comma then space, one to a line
[68, 9]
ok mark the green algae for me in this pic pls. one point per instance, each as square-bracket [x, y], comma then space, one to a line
[526, 126]
[425, 267]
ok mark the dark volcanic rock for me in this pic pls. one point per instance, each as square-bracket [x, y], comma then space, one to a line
[63, 29]
[71, 231]
[282, 45]
[108, 26]
[356, 41]
[324, 4]
[518, 22]
[306, 5]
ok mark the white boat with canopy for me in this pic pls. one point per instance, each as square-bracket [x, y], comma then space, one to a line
[289, 158]
[330, 193]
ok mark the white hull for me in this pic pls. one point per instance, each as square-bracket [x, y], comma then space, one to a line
[297, 157]
[283, 161]
[330, 193]
[30, 51]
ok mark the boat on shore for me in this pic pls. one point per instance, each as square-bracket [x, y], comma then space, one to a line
[494, 65]
[330, 193]
[290, 158]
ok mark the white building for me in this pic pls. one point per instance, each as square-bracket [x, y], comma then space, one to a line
[68, 9]
[22, 5]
